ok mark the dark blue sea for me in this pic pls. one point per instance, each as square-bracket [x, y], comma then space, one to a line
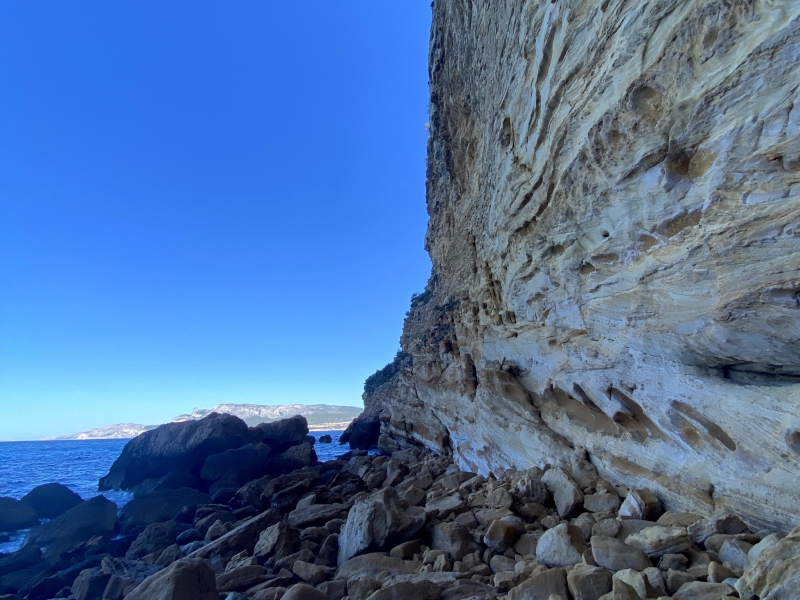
[79, 464]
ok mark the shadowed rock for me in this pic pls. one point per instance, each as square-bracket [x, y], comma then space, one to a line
[181, 446]
[51, 500]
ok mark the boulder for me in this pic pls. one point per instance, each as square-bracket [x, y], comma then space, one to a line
[328, 553]
[775, 572]
[502, 534]
[280, 435]
[241, 578]
[561, 546]
[541, 586]
[284, 491]
[615, 555]
[501, 563]
[601, 502]
[24, 558]
[527, 542]
[243, 536]
[311, 573]
[671, 519]
[316, 514]
[641, 504]
[185, 579]
[277, 541]
[499, 498]
[171, 481]
[237, 466]
[725, 523]
[634, 579]
[566, 493]
[586, 582]
[363, 432]
[735, 552]
[621, 591]
[155, 538]
[325, 439]
[182, 446]
[767, 542]
[658, 540]
[302, 455]
[303, 591]
[188, 536]
[453, 538]
[97, 516]
[124, 576]
[51, 500]
[378, 522]
[701, 590]
[371, 565]
[406, 590]
[159, 506]
[90, 584]
[444, 505]
[15, 515]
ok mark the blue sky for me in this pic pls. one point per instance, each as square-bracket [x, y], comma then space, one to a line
[204, 202]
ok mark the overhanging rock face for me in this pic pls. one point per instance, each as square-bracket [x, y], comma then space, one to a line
[614, 200]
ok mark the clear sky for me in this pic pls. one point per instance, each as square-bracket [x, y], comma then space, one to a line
[204, 202]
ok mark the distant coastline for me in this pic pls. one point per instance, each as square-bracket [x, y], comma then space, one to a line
[320, 417]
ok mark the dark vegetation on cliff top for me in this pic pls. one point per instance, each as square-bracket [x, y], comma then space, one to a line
[381, 376]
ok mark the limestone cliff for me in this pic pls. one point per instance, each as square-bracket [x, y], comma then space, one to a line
[614, 199]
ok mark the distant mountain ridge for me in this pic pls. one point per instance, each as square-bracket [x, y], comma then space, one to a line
[319, 416]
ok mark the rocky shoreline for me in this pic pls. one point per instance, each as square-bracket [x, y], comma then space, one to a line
[223, 511]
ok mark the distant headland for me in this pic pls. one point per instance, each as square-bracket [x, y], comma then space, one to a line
[319, 416]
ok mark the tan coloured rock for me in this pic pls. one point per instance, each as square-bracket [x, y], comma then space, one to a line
[775, 573]
[561, 546]
[613, 199]
[377, 521]
[588, 583]
[541, 586]
[186, 579]
[657, 541]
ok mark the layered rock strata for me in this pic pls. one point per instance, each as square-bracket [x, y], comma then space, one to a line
[614, 201]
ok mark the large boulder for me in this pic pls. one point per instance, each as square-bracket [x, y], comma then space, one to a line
[155, 538]
[183, 446]
[453, 538]
[280, 435]
[185, 579]
[561, 546]
[775, 572]
[171, 481]
[566, 493]
[97, 516]
[378, 522]
[615, 555]
[242, 537]
[233, 468]
[362, 433]
[51, 500]
[159, 506]
[124, 575]
[24, 558]
[15, 515]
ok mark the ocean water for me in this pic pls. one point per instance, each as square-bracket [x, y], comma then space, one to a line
[79, 464]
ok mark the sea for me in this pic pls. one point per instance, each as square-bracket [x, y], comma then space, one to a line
[79, 465]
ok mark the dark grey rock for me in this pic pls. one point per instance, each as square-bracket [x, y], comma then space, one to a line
[51, 500]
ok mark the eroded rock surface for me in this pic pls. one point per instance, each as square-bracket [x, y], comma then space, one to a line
[614, 201]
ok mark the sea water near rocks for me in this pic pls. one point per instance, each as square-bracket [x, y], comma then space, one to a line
[79, 464]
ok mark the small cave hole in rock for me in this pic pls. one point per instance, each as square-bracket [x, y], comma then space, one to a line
[793, 440]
